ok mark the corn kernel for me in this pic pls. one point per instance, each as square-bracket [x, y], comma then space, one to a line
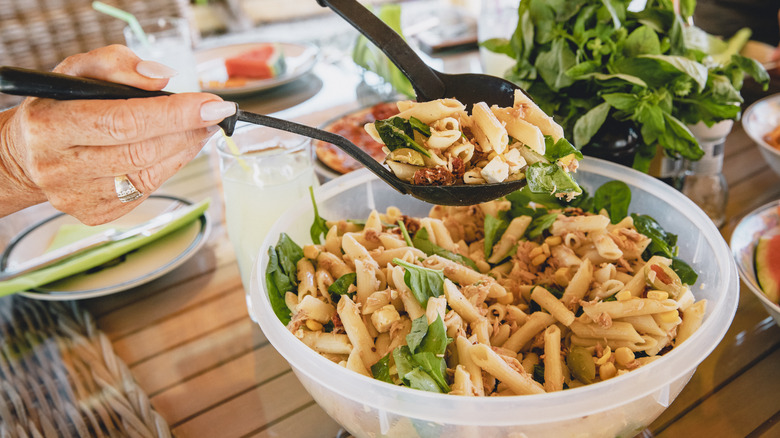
[624, 295]
[553, 240]
[604, 357]
[607, 371]
[538, 260]
[670, 316]
[535, 252]
[624, 356]
[562, 276]
[313, 325]
[657, 295]
[546, 249]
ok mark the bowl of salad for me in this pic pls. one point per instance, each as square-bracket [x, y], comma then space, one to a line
[518, 316]
[762, 123]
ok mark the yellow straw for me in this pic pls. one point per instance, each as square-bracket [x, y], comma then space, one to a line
[234, 150]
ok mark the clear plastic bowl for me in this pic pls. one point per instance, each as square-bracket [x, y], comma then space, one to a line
[763, 221]
[621, 406]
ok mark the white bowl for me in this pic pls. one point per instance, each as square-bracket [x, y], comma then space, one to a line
[622, 406]
[759, 119]
[757, 223]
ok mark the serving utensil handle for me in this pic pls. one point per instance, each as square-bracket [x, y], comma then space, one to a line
[25, 82]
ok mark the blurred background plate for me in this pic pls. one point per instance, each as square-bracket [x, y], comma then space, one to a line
[300, 59]
[133, 269]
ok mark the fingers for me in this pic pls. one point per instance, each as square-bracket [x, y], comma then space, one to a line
[106, 122]
[134, 157]
[117, 63]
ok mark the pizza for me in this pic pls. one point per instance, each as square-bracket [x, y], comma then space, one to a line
[350, 126]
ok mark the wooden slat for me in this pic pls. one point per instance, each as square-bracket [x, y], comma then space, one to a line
[249, 411]
[200, 393]
[741, 166]
[198, 356]
[182, 327]
[311, 421]
[737, 409]
[752, 192]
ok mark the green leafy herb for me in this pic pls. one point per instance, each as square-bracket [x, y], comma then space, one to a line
[684, 271]
[494, 228]
[540, 224]
[423, 242]
[550, 178]
[280, 275]
[397, 133]
[342, 284]
[555, 150]
[419, 126]
[663, 243]
[589, 61]
[615, 197]
[381, 369]
[319, 227]
[424, 283]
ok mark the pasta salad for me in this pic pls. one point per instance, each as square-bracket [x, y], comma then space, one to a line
[440, 143]
[523, 295]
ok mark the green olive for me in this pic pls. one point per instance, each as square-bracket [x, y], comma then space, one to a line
[406, 155]
[581, 365]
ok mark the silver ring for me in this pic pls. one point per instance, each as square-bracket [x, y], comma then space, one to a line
[125, 190]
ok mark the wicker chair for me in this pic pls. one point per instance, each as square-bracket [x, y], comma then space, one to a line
[40, 33]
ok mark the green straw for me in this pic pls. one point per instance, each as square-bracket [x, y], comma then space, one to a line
[124, 16]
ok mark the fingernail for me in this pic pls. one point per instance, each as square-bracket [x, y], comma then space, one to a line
[212, 129]
[217, 110]
[155, 70]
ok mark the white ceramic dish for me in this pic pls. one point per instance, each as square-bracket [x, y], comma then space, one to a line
[760, 222]
[759, 119]
[622, 406]
[300, 59]
[141, 266]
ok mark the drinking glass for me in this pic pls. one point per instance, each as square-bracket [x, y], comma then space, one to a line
[497, 19]
[169, 42]
[264, 173]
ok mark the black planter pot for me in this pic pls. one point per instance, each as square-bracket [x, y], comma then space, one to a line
[615, 141]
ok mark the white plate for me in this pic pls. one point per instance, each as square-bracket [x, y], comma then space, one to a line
[300, 59]
[138, 267]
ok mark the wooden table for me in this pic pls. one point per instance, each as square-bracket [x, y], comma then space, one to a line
[208, 370]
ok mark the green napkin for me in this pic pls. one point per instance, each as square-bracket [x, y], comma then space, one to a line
[95, 257]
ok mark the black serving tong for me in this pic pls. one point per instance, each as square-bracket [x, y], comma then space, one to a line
[428, 83]
[24, 82]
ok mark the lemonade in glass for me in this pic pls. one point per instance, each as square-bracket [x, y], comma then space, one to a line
[263, 173]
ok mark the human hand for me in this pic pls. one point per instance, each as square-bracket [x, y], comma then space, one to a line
[69, 152]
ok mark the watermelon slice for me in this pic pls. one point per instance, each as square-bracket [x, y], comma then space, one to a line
[263, 62]
[768, 266]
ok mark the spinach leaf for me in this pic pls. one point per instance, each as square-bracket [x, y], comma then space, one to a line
[419, 379]
[381, 369]
[342, 284]
[435, 367]
[319, 227]
[494, 228]
[289, 253]
[663, 243]
[277, 284]
[419, 126]
[540, 224]
[555, 150]
[423, 242]
[423, 282]
[520, 200]
[397, 133]
[550, 178]
[418, 332]
[684, 271]
[404, 364]
[615, 197]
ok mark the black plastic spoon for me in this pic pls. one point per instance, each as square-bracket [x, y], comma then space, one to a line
[24, 82]
[428, 83]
